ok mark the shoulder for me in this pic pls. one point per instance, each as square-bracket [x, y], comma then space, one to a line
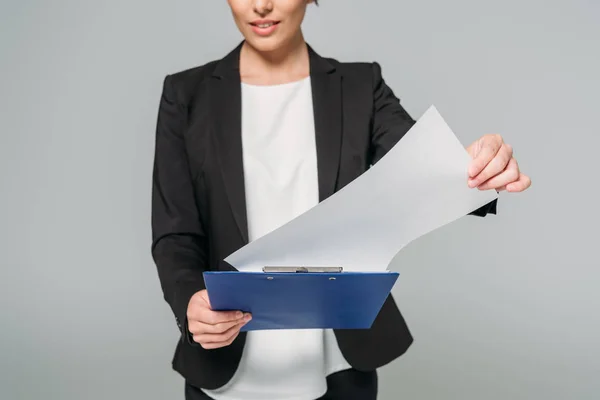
[365, 71]
[184, 84]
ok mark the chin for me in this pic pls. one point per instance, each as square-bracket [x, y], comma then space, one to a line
[265, 45]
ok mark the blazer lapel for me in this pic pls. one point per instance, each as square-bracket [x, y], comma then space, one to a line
[226, 94]
[327, 106]
[227, 117]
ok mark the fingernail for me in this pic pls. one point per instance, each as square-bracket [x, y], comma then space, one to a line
[239, 314]
[247, 317]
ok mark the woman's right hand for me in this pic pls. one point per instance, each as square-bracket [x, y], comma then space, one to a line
[213, 329]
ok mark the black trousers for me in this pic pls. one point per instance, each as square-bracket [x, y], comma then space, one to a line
[344, 385]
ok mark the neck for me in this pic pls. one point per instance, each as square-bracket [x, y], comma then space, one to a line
[288, 63]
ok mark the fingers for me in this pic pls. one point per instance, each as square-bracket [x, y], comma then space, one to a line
[499, 182]
[520, 185]
[217, 345]
[488, 147]
[215, 336]
[219, 317]
[495, 166]
[199, 312]
[198, 327]
[213, 329]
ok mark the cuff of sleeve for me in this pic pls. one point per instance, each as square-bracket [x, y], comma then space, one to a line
[489, 208]
[185, 291]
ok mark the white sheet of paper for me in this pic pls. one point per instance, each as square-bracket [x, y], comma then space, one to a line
[418, 186]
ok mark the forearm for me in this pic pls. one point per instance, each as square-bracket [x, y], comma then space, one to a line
[180, 261]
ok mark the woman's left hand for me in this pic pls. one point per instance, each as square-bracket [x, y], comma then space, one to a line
[494, 167]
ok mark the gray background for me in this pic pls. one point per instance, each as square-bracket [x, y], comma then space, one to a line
[501, 307]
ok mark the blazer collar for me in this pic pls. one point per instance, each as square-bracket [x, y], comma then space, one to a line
[226, 112]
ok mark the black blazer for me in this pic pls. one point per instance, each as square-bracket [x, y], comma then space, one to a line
[198, 201]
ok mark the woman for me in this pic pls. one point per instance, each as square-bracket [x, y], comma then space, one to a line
[246, 143]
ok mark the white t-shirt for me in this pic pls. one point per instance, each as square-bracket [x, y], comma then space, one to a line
[281, 182]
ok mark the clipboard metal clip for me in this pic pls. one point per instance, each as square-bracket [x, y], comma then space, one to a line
[301, 269]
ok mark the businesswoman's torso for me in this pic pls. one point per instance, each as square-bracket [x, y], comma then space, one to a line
[225, 162]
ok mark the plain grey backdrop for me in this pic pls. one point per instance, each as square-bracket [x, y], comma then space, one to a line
[501, 307]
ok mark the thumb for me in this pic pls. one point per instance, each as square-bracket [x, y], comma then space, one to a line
[205, 298]
[482, 153]
[473, 150]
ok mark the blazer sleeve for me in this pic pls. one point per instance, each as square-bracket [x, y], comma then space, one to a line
[178, 237]
[390, 122]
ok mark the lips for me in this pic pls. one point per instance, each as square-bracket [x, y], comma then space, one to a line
[264, 24]
[264, 27]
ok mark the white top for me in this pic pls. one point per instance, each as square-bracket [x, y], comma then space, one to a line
[281, 182]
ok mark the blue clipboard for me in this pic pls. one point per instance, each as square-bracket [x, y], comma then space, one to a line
[308, 300]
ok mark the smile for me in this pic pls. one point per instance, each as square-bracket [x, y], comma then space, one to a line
[267, 25]
[264, 27]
